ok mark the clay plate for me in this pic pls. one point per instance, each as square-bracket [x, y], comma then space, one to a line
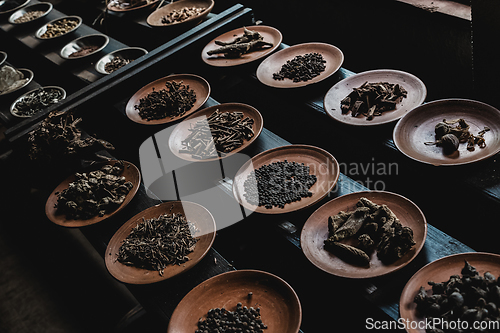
[413, 85]
[28, 74]
[154, 19]
[203, 222]
[129, 9]
[181, 131]
[195, 82]
[43, 29]
[417, 127]
[270, 35]
[333, 56]
[315, 232]
[131, 173]
[321, 163]
[12, 9]
[130, 53]
[44, 7]
[440, 271]
[279, 305]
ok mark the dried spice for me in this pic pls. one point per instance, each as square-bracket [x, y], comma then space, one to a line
[58, 136]
[158, 242]
[94, 193]
[471, 299]
[85, 50]
[115, 64]
[173, 101]
[302, 68]
[10, 79]
[29, 16]
[37, 101]
[250, 41]
[369, 227]
[59, 28]
[180, 15]
[372, 99]
[242, 319]
[218, 134]
[450, 133]
[278, 184]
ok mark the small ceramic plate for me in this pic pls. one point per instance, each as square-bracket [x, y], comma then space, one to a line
[417, 127]
[96, 41]
[440, 271]
[44, 7]
[156, 17]
[413, 85]
[15, 112]
[28, 74]
[115, 5]
[195, 82]
[315, 232]
[270, 35]
[128, 53]
[333, 56]
[321, 163]
[279, 305]
[9, 6]
[203, 222]
[182, 130]
[39, 33]
[131, 173]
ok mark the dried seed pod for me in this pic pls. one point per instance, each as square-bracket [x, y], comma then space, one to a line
[352, 225]
[347, 252]
[449, 142]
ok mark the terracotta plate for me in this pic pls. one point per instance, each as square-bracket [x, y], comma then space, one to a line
[440, 271]
[182, 130]
[195, 82]
[155, 18]
[315, 232]
[202, 221]
[417, 127]
[145, 4]
[321, 163]
[131, 173]
[333, 56]
[270, 35]
[28, 74]
[279, 305]
[413, 85]
[39, 33]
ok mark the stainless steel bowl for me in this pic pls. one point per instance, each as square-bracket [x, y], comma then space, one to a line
[130, 53]
[97, 40]
[3, 57]
[28, 74]
[44, 7]
[14, 111]
[39, 33]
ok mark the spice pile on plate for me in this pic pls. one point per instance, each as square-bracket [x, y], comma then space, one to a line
[370, 227]
[59, 28]
[29, 16]
[250, 41]
[115, 64]
[10, 79]
[302, 68]
[180, 15]
[242, 319]
[36, 100]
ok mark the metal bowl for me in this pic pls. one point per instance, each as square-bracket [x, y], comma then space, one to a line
[39, 33]
[130, 53]
[44, 7]
[5, 9]
[3, 57]
[13, 105]
[96, 40]
[155, 18]
[28, 74]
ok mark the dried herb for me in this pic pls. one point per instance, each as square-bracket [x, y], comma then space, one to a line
[369, 227]
[37, 101]
[471, 299]
[10, 79]
[58, 136]
[180, 15]
[86, 50]
[94, 193]
[172, 101]
[218, 134]
[59, 28]
[302, 68]
[278, 184]
[158, 242]
[242, 319]
[29, 16]
[372, 99]
[449, 134]
[250, 41]
[115, 64]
